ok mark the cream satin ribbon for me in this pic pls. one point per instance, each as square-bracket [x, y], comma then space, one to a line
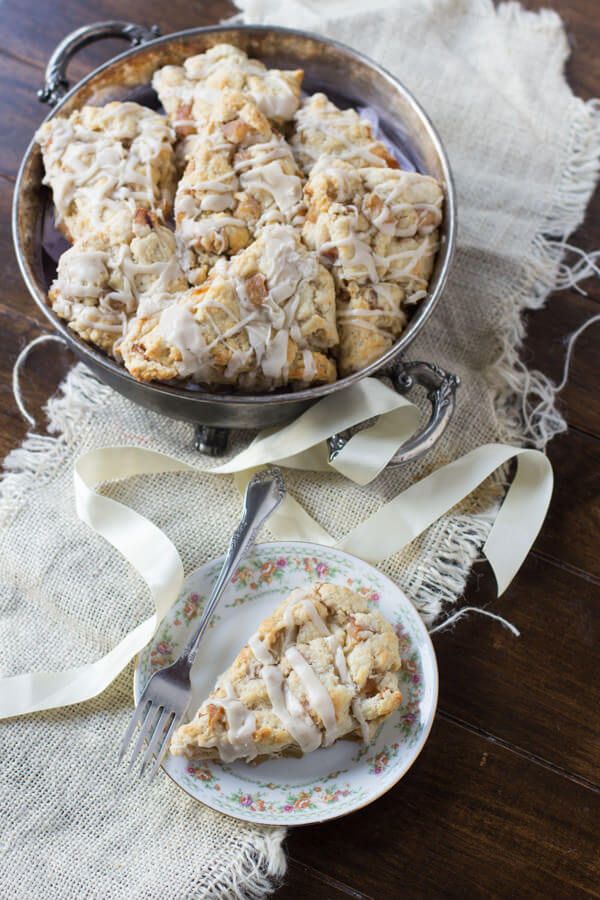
[299, 445]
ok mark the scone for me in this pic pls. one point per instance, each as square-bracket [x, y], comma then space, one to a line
[322, 131]
[240, 177]
[262, 320]
[104, 279]
[189, 92]
[376, 229]
[106, 160]
[322, 667]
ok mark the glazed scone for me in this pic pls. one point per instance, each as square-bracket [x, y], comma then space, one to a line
[104, 160]
[105, 279]
[370, 318]
[377, 230]
[189, 92]
[322, 131]
[262, 320]
[240, 177]
[310, 255]
[322, 667]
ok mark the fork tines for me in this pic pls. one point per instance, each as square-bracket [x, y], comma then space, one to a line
[156, 725]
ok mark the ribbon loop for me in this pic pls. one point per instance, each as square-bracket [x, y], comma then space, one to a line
[298, 445]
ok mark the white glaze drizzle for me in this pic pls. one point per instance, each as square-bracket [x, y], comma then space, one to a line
[262, 153]
[86, 275]
[256, 170]
[286, 706]
[260, 650]
[315, 618]
[391, 191]
[203, 76]
[309, 365]
[333, 642]
[412, 256]
[241, 725]
[286, 190]
[289, 710]
[274, 96]
[96, 169]
[179, 329]
[346, 679]
[192, 230]
[297, 595]
[284, 267]
[317, 693]
[415, 297]
[361, 259]
[334, 124]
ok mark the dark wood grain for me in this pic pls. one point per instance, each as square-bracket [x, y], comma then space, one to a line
[471, 819]
[503, 801]
[14, 292]
[30, 42]
[547, 346]
[571, 530]
[315, 884]
[536, 692]
[20, 110]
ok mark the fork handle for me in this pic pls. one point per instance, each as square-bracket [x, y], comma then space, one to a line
[264, 493]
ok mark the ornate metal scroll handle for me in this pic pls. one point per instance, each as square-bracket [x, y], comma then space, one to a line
[441, 390]
[56, 84]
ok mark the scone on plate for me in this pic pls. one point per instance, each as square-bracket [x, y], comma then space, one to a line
[322, 667]
[262, 320]
[105, 160]
[189, 92]
[376, 229]
[322, 131]
[104, 279]
[240, 177]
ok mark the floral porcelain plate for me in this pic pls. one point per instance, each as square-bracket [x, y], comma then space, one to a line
[331, 781]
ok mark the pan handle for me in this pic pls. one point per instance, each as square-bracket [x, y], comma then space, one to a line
[56, 84]
[441, 387]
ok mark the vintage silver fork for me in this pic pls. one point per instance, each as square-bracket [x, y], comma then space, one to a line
[166, 697]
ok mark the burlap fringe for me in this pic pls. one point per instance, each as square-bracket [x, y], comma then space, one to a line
[525, 401]
[259, 868]
[40, 456]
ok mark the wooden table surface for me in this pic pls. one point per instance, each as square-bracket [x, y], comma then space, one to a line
[504, 800]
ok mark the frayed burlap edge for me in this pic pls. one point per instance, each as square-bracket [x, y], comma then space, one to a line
[258, 870]
[525, 403]
[525, 400]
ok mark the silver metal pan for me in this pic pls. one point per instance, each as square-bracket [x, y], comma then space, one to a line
[349, 78]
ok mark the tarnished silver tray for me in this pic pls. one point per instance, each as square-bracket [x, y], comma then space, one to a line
[350, 79]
